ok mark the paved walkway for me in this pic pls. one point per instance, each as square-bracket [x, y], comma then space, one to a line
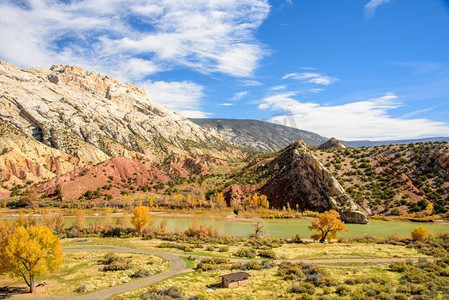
[177, 267]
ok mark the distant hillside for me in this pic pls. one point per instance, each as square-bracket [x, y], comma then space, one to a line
[393, 180]
[258, 135]
[368, 143]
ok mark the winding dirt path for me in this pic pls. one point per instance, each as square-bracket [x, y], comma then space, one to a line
[177, 267]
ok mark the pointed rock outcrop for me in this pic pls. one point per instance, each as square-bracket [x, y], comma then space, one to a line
[331, 143]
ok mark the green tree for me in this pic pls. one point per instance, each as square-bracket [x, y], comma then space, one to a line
[30, 252]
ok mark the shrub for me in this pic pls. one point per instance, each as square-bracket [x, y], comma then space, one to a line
[170, 293]
[141, 273]
[253, 265]
[246, 252]
[303, 288]
[223, 249]
[267, 254]
[114, 263]
[74, 233]
[210, 248]
[81, 289]
[296, 239]
[419, 233]
[343, 290]
[119, 265]
[207, 267]
[290, 271]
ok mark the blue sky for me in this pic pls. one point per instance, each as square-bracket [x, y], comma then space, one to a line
[354, 69]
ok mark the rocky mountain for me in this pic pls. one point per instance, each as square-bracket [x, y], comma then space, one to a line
[296, 178]
[54, 121]
[331, 143]
[258, 135]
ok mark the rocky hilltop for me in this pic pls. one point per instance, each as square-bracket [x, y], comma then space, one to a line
[257, 135]
[54, 121]
[331, 143]
[295, 178]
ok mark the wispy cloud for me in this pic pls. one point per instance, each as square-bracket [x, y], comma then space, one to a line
[315, 90]
[419, 111]
[278, 87]
[371, 7]
[310, 77]
[251, 82]
[184, 97]
[239, 95]
[226, 104]
[368, 119]
[205, 35]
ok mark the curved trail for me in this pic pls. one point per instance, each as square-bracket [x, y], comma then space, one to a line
[177, 267]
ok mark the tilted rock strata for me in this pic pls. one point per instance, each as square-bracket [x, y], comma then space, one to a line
[297, 177]
[85, 114]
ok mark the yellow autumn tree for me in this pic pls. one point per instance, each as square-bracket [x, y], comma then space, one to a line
[429, 209]
[80, 219]
[30, 252]
[5, 232]
[141, 217]
[419, 233]
[264, 202]
[327, 224]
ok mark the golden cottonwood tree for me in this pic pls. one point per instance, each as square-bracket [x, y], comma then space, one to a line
[141, 217]
[327, 224]
[30, 252]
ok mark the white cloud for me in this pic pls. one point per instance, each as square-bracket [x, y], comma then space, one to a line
[316, 90]
[183, 97]
[310, 77]
[367, 119]
[239, 95]
[278, 87]
[371, 7]
[109, 35]
[226, 104]
[250, 82]
[132, 40]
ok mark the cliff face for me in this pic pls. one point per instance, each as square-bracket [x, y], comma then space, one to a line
[92, 116]
[58, 120]
[297, 177]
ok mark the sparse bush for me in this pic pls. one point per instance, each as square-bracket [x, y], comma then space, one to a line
[343, 290]
[223, 249]
[141, 273]
[166, 294]
[114, 263]
[267, 254]
[246, 252]
[303, 288]
[81, 289]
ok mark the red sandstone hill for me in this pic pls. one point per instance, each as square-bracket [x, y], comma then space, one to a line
[111, 177]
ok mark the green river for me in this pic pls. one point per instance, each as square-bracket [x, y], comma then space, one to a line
[287, 227]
